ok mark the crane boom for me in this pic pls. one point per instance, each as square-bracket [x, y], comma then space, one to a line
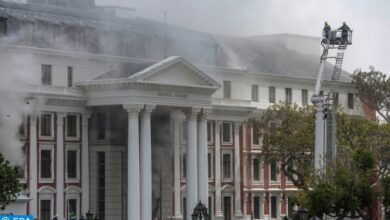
[325, 125]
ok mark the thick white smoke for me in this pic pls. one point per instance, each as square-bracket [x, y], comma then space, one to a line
[14, 75]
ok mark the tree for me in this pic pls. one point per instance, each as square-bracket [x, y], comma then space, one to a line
[9, 183]
[374, 91]
[352, 184]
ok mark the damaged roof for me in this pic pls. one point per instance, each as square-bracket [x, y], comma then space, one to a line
[146, 40]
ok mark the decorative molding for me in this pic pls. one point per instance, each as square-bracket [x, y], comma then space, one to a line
[192, 113]
[133, 110]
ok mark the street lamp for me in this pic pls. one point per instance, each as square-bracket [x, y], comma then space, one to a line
[302, 213]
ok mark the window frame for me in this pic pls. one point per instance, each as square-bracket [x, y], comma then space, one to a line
[288, 95]
[350, 101]
[77, 137]
[230, 153]
[24, 126]
[277, 172]
[230, 141]
[272, 94]
[183, 132]
[43, 74]
[210, 153]
[210, 131]
[227, 89]
[183, 166]
[260, 169]
[51, 136]
[4, 22]
[72, 197]
[52, 171]
[305, 97]
[47, 198]
[261, 203]
[260, 139]
[70, 74]
[77, 149]
[254, 93]
[277, 203]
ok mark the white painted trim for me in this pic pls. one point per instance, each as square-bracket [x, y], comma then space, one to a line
[211, 132]
[230, 141]
[69, 197]
[47, 197]
[230, 153]
[277, 173]
[41, 137]
[77, 149]
[261, 170]
[262, 207]
[211, 165]
[51, 148]
[67, 138]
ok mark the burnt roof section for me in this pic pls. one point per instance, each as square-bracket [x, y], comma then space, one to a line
[144, 39]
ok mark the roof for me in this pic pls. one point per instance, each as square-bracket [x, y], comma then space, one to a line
[145, 39]
[125, 70]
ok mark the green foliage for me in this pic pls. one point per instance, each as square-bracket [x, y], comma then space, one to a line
[386, 194]
[288, 136]
[374, 90]
[9, 183]
[352, 183]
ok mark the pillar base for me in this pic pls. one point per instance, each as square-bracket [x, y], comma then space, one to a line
[177, 217]
[238, 216]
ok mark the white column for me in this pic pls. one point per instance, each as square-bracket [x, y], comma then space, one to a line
[218, 199]
[192, 194]
[237, 178]
[85, 165]
[33, 163]
[203, 192]
[133, 176]
[146, 163]
[176, 144]
[60, 169]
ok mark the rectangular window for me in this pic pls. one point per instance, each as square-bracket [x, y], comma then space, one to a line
[256, 207]
[210, 165]
[255, 93]
[227, 132]
[227, 208]
[227, 165]
[211, 208]
[210, 132]
[70, 76]
[255, 135]
[101, 126]
[273, 170]
[227, 89]
[23, 127]
[71, 126]
[46, 164]
[271, 91]
[336, 99]
[256, 169]
[71, 163]
[20, 172]
[183, 131]
[350, 100]
[288, 92]
[72, 208]
[46, 74]
[101, 185]
[3, 26]
[184, 167]
[274, 207]
[45, 210]
[46, 125]
[304, 97]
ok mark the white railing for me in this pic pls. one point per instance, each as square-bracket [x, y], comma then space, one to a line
[58, 90]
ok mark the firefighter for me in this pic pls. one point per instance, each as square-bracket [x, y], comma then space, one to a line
[326, 31]
[344, 32]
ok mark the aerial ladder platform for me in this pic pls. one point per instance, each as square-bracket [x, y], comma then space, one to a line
[326, 105]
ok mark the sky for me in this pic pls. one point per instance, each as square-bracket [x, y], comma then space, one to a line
[370, 20]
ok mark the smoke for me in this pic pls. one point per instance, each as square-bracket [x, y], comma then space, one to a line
[13, 81]
[369, 19]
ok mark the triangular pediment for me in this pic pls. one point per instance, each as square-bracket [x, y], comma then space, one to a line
[175, 71]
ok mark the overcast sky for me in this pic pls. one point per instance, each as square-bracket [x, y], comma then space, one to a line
[370, 20]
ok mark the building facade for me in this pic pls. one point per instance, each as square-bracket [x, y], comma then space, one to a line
[117, 129]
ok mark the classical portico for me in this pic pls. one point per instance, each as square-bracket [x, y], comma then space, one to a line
[174, 86]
